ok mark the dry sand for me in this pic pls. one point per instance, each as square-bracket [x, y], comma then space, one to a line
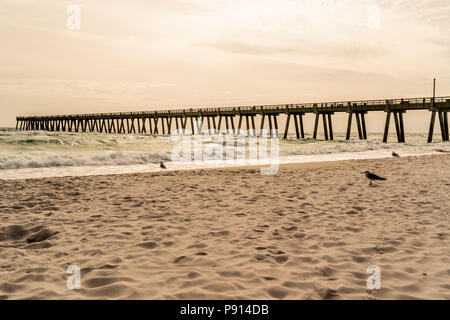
[309, 232]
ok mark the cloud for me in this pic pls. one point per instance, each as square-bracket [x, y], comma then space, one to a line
[79, 87]
[301, 48]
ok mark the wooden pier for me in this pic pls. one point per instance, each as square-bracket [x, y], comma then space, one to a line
[164, 122]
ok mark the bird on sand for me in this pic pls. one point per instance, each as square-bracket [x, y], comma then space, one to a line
[373, 176]
[162, 165]
[395, 154]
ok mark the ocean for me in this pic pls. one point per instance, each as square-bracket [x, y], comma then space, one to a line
[38, 154]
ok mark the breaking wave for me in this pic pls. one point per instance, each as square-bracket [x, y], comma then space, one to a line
[108, 158]
[41, 150]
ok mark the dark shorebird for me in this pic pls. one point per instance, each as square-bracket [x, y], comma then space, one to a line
[373, 176]
[162, 165]
[395, 154]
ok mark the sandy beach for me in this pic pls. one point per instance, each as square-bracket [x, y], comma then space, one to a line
[309, 232]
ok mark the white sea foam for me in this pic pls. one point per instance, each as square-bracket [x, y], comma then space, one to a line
[39, 154]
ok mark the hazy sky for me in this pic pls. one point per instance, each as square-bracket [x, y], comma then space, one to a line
[132, 55]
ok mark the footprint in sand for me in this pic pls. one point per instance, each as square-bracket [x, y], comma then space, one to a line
[102, 281]
[260, 257]
[258, 230]
[351, 229]
[182, 259]
[269, 278]
[299, 235]
[39, 245]
[14, 232]
[278, 292]
[17, 232]
[328, 293]
[219, 234]
[194, 275]
[280, 259]
[277, 252]
[198, 246]
[148, 245]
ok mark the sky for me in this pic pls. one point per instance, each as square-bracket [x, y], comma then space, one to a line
[138, 55]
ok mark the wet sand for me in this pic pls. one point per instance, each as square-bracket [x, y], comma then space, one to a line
[309, 232]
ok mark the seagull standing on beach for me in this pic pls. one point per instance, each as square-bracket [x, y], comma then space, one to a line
[395, 154]
[162, 165]
[373, 176]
